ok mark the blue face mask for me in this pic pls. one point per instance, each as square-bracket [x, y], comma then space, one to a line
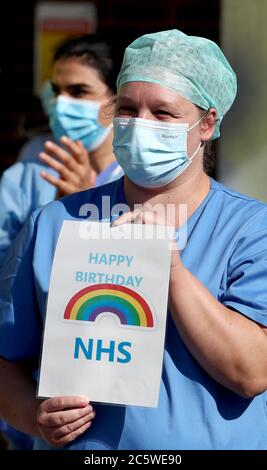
[151, 153]
[78, 120]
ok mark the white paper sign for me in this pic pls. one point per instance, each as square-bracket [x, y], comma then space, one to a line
[106, 314]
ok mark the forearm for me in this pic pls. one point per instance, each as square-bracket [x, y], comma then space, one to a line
[18, 403]
[230, 347]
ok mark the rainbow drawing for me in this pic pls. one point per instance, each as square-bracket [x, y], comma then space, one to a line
[125, 303]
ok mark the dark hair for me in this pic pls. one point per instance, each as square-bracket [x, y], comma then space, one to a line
[94, 51]
[209, 159]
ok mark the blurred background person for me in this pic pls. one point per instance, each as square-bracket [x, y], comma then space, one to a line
[80, 109]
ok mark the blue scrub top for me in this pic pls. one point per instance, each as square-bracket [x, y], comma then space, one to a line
[23, 190]
[227, 252]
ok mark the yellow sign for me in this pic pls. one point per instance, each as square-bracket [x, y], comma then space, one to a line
[55, 22]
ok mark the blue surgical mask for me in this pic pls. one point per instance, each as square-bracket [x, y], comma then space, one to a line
[151, 153]
[78, 120]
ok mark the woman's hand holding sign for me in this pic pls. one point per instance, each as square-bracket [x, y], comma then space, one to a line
[60, 420]
[152, 218]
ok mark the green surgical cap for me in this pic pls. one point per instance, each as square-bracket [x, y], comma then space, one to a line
[192, 66]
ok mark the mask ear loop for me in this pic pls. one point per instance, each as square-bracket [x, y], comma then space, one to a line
[200, 143]
[195, 152]
[196, 123]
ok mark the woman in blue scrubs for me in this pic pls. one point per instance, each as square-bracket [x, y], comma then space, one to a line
[173, 91]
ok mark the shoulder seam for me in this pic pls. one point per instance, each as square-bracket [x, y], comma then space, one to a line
[237, 195]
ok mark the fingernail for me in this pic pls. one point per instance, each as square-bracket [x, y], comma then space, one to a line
[85, 400]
